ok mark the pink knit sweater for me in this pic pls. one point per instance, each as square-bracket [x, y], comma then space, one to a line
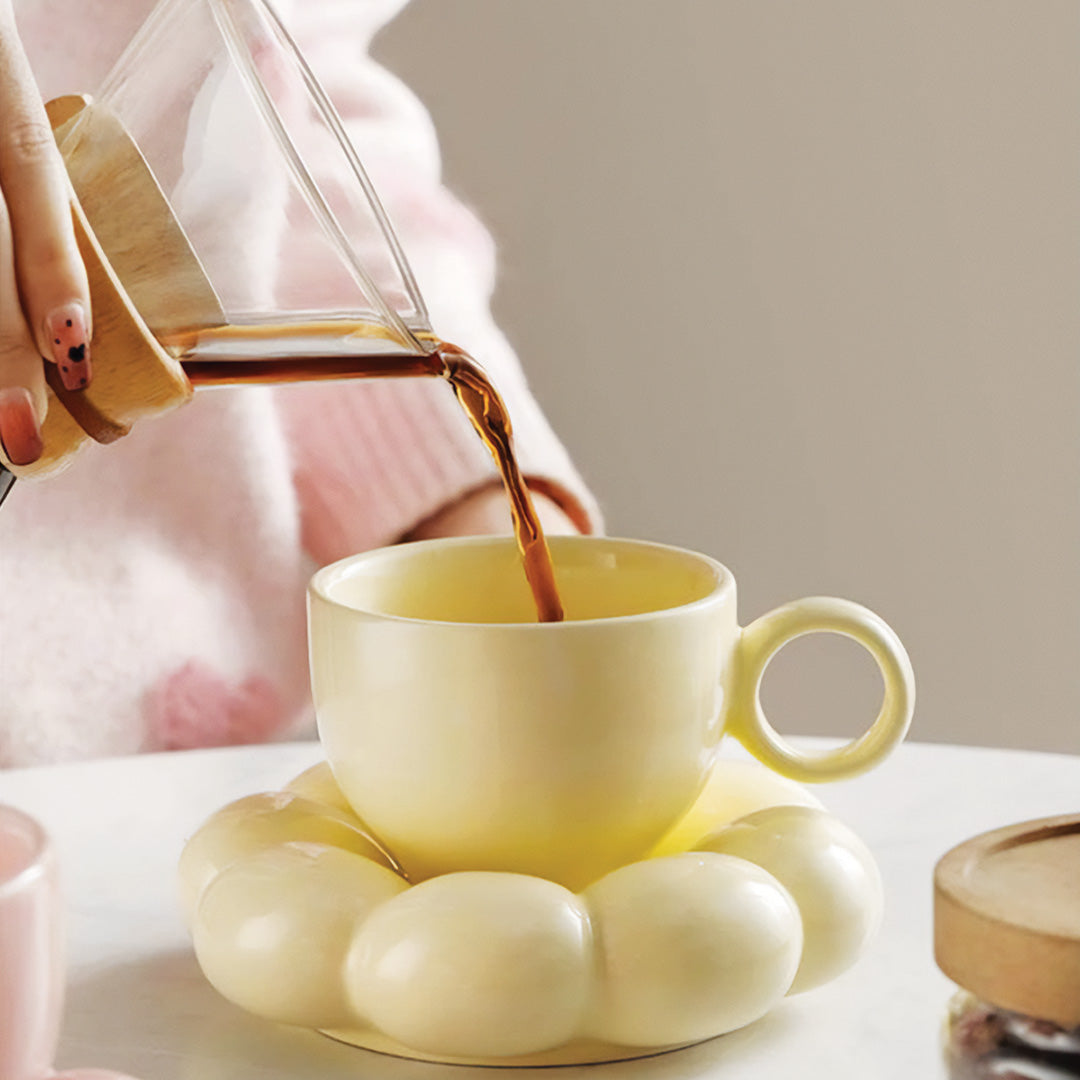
[152, 596]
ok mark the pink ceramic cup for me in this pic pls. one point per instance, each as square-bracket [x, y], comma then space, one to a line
[31, 949]
[31, 954]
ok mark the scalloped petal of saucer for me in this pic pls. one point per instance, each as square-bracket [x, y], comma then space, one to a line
[272, 930]
[733, 790]
[829, 872]
[481, 963]
[693, 945]
[257, 822]
[299, 915]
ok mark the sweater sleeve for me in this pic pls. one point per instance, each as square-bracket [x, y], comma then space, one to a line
[373, 459]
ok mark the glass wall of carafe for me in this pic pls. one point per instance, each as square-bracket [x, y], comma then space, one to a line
[296, 252]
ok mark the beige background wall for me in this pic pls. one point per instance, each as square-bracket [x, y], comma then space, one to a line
[798, 282]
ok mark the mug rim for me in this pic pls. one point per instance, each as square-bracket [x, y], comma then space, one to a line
[325, 578]
[35, 865]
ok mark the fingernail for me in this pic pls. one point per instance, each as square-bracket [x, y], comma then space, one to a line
[20, 435]
[70, 343]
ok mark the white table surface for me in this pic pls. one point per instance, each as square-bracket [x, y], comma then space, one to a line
[138, 1002]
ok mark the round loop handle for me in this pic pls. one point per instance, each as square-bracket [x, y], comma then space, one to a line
[763, 639]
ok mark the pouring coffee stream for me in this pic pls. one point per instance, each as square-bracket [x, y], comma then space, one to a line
[474, 390]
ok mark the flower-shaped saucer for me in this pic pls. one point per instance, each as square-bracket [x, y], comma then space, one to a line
[300, 915]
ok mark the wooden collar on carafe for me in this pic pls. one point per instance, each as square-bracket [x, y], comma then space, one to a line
[83, 411]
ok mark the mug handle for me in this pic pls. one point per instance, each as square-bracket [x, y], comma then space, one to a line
[762, 640]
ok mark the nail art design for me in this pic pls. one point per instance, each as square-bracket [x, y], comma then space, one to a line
[19, 432]
[66, 327]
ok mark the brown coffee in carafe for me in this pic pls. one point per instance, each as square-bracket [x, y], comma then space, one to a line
[475, 392]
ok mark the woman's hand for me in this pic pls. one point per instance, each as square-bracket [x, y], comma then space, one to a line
[44, 297]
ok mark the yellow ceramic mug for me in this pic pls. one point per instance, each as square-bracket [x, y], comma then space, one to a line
[470, 737]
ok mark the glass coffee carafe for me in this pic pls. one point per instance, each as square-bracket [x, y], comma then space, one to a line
[231, 236]
[225, 195]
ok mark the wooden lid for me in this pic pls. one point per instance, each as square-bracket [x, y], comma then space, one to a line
[1007, 918]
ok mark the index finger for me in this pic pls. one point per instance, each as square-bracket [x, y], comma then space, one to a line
[52, 280]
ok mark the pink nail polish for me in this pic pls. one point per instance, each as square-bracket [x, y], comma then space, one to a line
[66, 327]
[19, 432]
